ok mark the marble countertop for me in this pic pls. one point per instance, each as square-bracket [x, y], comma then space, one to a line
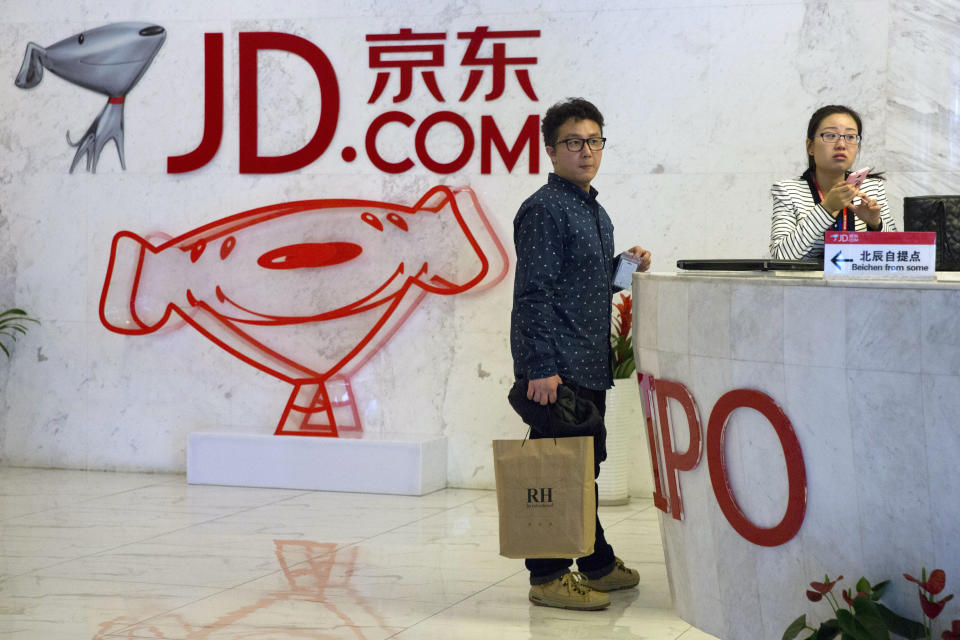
[945, 279]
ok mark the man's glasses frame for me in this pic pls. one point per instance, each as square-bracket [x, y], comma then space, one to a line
[576, 144]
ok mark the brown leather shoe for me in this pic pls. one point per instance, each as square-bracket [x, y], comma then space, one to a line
[620, 578]
[569, 591]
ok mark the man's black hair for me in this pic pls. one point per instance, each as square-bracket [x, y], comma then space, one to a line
[576, 108]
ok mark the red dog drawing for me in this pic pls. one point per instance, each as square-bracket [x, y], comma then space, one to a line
[306, 291]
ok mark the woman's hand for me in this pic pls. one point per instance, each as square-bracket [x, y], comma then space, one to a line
[868, 210]
[839, 198]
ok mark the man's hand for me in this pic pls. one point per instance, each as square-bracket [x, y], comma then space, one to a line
[543, 390]
[643, 255]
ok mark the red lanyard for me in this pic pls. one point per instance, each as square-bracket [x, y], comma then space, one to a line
[841, 217]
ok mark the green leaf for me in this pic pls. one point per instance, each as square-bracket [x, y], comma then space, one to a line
[16, 315]
[853, 627]
[828, 630]
[623, 370]
[903, 627]
[863, 586]
[868, 616]
[12, 322]
[795, 627]
[878, 590]
[849, 627]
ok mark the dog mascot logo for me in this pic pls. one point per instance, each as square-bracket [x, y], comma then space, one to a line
[305, 291]
[109, 60]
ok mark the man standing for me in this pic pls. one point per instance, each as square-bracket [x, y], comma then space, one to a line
[560, 324]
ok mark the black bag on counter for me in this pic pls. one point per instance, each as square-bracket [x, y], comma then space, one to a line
[942, 215]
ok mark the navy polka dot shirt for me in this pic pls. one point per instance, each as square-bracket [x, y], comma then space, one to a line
[563, 294]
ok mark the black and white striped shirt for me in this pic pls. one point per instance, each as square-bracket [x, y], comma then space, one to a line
[798, 225]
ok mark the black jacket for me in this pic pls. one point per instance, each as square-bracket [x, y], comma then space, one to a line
[569, 416]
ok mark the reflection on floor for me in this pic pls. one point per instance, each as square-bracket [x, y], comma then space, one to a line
[120, 555]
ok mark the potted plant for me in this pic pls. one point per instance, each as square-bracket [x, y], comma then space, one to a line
[620, 339]
[865, 618]
[13, 322]
[623, 408]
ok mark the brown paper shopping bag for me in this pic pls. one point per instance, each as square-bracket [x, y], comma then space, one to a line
[546, 497]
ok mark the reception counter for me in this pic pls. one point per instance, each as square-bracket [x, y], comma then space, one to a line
[800, 428]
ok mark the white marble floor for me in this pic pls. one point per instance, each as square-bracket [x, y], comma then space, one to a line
[125, 555]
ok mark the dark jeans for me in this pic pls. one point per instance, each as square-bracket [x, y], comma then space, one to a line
[601, 561]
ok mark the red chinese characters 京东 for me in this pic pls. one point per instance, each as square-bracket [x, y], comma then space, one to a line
[407, 51]
[498, 61]
[381, 58]
[305, 291]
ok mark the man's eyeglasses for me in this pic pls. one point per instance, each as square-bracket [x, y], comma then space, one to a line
[830, 137]
[576, 144]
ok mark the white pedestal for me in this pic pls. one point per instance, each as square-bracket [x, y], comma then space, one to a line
[391, 463]
[624, 416]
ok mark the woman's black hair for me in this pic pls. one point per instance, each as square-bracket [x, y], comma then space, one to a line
[576, 108]
[815, 120]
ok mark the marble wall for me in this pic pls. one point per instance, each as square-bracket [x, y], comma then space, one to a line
[706, 105]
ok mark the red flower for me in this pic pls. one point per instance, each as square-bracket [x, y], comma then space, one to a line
[934, 585]
[813, 596]
[849, 600]
[954, 633]
[932, 608]
[822, 588]
[625, 309]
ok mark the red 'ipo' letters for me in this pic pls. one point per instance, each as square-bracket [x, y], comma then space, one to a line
[796, 471]
[647, 400]
[672, 462]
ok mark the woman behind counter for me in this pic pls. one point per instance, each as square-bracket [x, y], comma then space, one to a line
[819, 201]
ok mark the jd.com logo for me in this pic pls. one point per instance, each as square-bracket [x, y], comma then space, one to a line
[306, 291]
[111, 59]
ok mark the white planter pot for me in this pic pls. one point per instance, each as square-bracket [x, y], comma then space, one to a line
[624, 422]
